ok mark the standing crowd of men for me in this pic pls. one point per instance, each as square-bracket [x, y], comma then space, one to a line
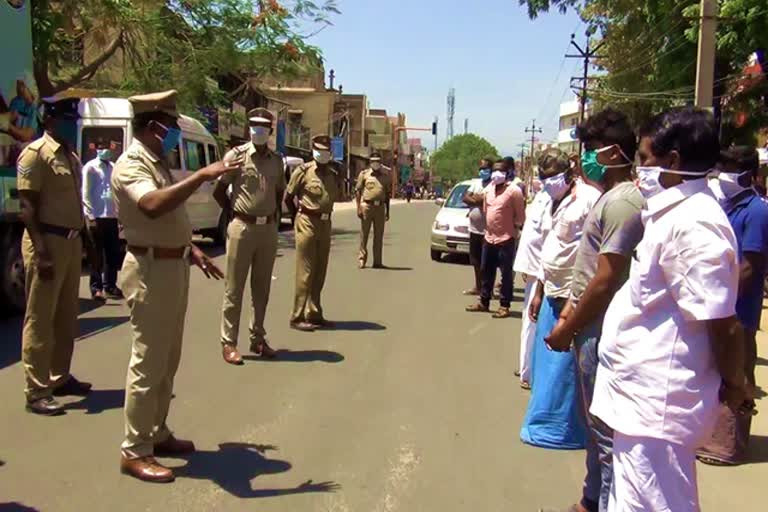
[644, 264]
[138, 194]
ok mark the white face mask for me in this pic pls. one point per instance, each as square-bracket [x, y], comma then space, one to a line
[321, 156]
[498, 177]
[375, 166]
[259, 135]
[556, 186]
[729, 183]
[648, 179]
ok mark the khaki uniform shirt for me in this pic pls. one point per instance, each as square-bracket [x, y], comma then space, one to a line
[316, 190]
[46, 167]
[374, 186]
[255, 186]
[137, 172]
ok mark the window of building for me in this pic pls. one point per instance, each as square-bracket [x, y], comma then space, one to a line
[213, 153]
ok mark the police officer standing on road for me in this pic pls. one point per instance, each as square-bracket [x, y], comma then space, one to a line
[373, 190]
[155, 278]
[257, 191]
[317, 186]
[49, 191]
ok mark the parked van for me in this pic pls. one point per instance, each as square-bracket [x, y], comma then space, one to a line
[109, 119]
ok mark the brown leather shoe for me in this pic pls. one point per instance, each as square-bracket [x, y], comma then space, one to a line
[231, 355]
[502, 312]
[73, 387]
[146, 469]
[47, 406]
[322, 323]
[173, 446]
[302, 326]
[478, 307]
[262, 349]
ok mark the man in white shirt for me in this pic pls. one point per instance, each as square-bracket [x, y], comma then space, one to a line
[473, 198]
[671, 341]
[101, 223]
[554, 418]
[528, 264]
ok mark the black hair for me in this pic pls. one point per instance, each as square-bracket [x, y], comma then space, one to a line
[745, 158]
[609, 126]
[689, 131]
[510, 161]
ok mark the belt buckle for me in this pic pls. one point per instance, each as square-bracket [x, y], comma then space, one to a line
[260, 221]
[325, 216]
[377, 203]
[73, 233]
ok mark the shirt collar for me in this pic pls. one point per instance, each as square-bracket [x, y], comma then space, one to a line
[742, 199]
[50, 140]
[676, 194]
[149, 153]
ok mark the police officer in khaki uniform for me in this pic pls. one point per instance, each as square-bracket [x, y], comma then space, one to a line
[49, 191]
[316, 185]
[257, 191]
[155, 278]
[373, 190]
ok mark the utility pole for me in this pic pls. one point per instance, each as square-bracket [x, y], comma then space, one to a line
[705, 67]
[434, 132]
[523, 147]
[466, 125]
[587, 55]
[533, 130]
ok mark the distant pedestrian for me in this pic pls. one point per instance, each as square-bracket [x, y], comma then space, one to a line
[554, 418]
[48, 181]
[473, 198]
[748, 215]
[372, 193]
[101, 223]
[671, 342]
[504, 209]
[257, 192]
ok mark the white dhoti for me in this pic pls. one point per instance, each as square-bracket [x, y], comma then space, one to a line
[527, 333]
[652, 475]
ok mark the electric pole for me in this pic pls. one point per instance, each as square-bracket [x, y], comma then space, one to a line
[587, 55]
[533, 130]
[705, 67]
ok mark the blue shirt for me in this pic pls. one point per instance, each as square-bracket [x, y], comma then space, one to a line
[749, 220]
[97, 190]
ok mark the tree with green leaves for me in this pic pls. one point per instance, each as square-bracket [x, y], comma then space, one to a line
[458, 158]
[156, 44]
[649, 54]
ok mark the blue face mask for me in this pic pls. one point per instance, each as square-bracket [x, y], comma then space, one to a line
[485, 174]
[65, 130]
[171, 139]
[104, 154]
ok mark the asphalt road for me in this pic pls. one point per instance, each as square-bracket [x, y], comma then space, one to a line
[410, 405]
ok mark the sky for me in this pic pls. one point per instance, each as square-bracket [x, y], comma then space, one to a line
[406, 54]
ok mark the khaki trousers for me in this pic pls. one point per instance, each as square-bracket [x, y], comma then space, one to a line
[250, 247]
[313, 245]
[376, 216]
[50, 321]
[156, 292]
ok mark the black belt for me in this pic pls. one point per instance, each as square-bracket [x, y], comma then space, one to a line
[374, 203]
[68, 233]
[250, 219]
[315, 214]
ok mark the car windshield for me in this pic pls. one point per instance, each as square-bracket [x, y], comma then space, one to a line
[455, 200]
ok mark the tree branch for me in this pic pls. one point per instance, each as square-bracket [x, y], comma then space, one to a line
[87, 72]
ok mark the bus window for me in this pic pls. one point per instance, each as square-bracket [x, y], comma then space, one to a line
[94, 135]
[194, 155]
[213, 154]
[174, 159]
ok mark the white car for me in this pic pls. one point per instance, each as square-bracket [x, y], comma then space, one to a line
[450, 231]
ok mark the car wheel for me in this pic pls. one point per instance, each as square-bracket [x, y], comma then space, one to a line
[436, 255]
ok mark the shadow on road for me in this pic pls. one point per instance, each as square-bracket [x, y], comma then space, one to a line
[234, 465]
[395, 269]
[10, 330]
[354, 325]
[300, 356]
[761, 361]
[100, 400]
[16, 507]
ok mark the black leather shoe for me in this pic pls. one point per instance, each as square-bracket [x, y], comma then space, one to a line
[47, 406]
[114, 293]
[73, 387]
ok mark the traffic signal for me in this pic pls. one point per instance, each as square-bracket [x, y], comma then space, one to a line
[434, 128]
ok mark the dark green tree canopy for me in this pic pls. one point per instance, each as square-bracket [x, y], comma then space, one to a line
[458, 158]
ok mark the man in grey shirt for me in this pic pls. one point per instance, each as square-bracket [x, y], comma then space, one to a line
[611, 232]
